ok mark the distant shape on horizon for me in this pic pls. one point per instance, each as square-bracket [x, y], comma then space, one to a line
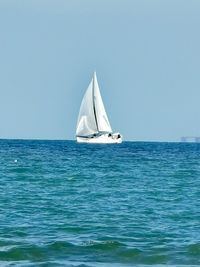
[190, 139]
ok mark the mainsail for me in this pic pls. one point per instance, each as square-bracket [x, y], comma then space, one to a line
[92, 117]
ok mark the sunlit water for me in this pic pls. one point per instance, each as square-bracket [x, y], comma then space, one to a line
[68, 204]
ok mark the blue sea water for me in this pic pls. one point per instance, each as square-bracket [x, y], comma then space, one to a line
[69, 204]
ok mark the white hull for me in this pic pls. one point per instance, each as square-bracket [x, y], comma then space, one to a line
[102, 139]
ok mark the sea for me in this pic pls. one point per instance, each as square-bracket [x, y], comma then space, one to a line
[86, 205]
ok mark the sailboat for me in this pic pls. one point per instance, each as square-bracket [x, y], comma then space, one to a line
[93, 125]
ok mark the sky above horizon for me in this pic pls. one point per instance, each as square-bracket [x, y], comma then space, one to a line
[146, 55]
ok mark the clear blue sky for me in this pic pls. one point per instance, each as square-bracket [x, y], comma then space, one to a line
[146, 54]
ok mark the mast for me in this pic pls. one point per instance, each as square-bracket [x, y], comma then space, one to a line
[95, 115]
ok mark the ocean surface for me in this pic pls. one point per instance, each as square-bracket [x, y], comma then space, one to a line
[69, 204]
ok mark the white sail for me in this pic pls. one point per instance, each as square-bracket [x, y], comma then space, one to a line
[86, 124]
[101, 116]
[92, 117]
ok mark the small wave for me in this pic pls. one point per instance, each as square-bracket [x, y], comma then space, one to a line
[103, 245]
[131, 253]
[33, 253]
[69, 178]
[59, 246]
[194, 249]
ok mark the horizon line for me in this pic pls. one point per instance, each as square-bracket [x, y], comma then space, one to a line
[134, 141]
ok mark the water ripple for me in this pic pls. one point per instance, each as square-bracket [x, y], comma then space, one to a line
[64, 204]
